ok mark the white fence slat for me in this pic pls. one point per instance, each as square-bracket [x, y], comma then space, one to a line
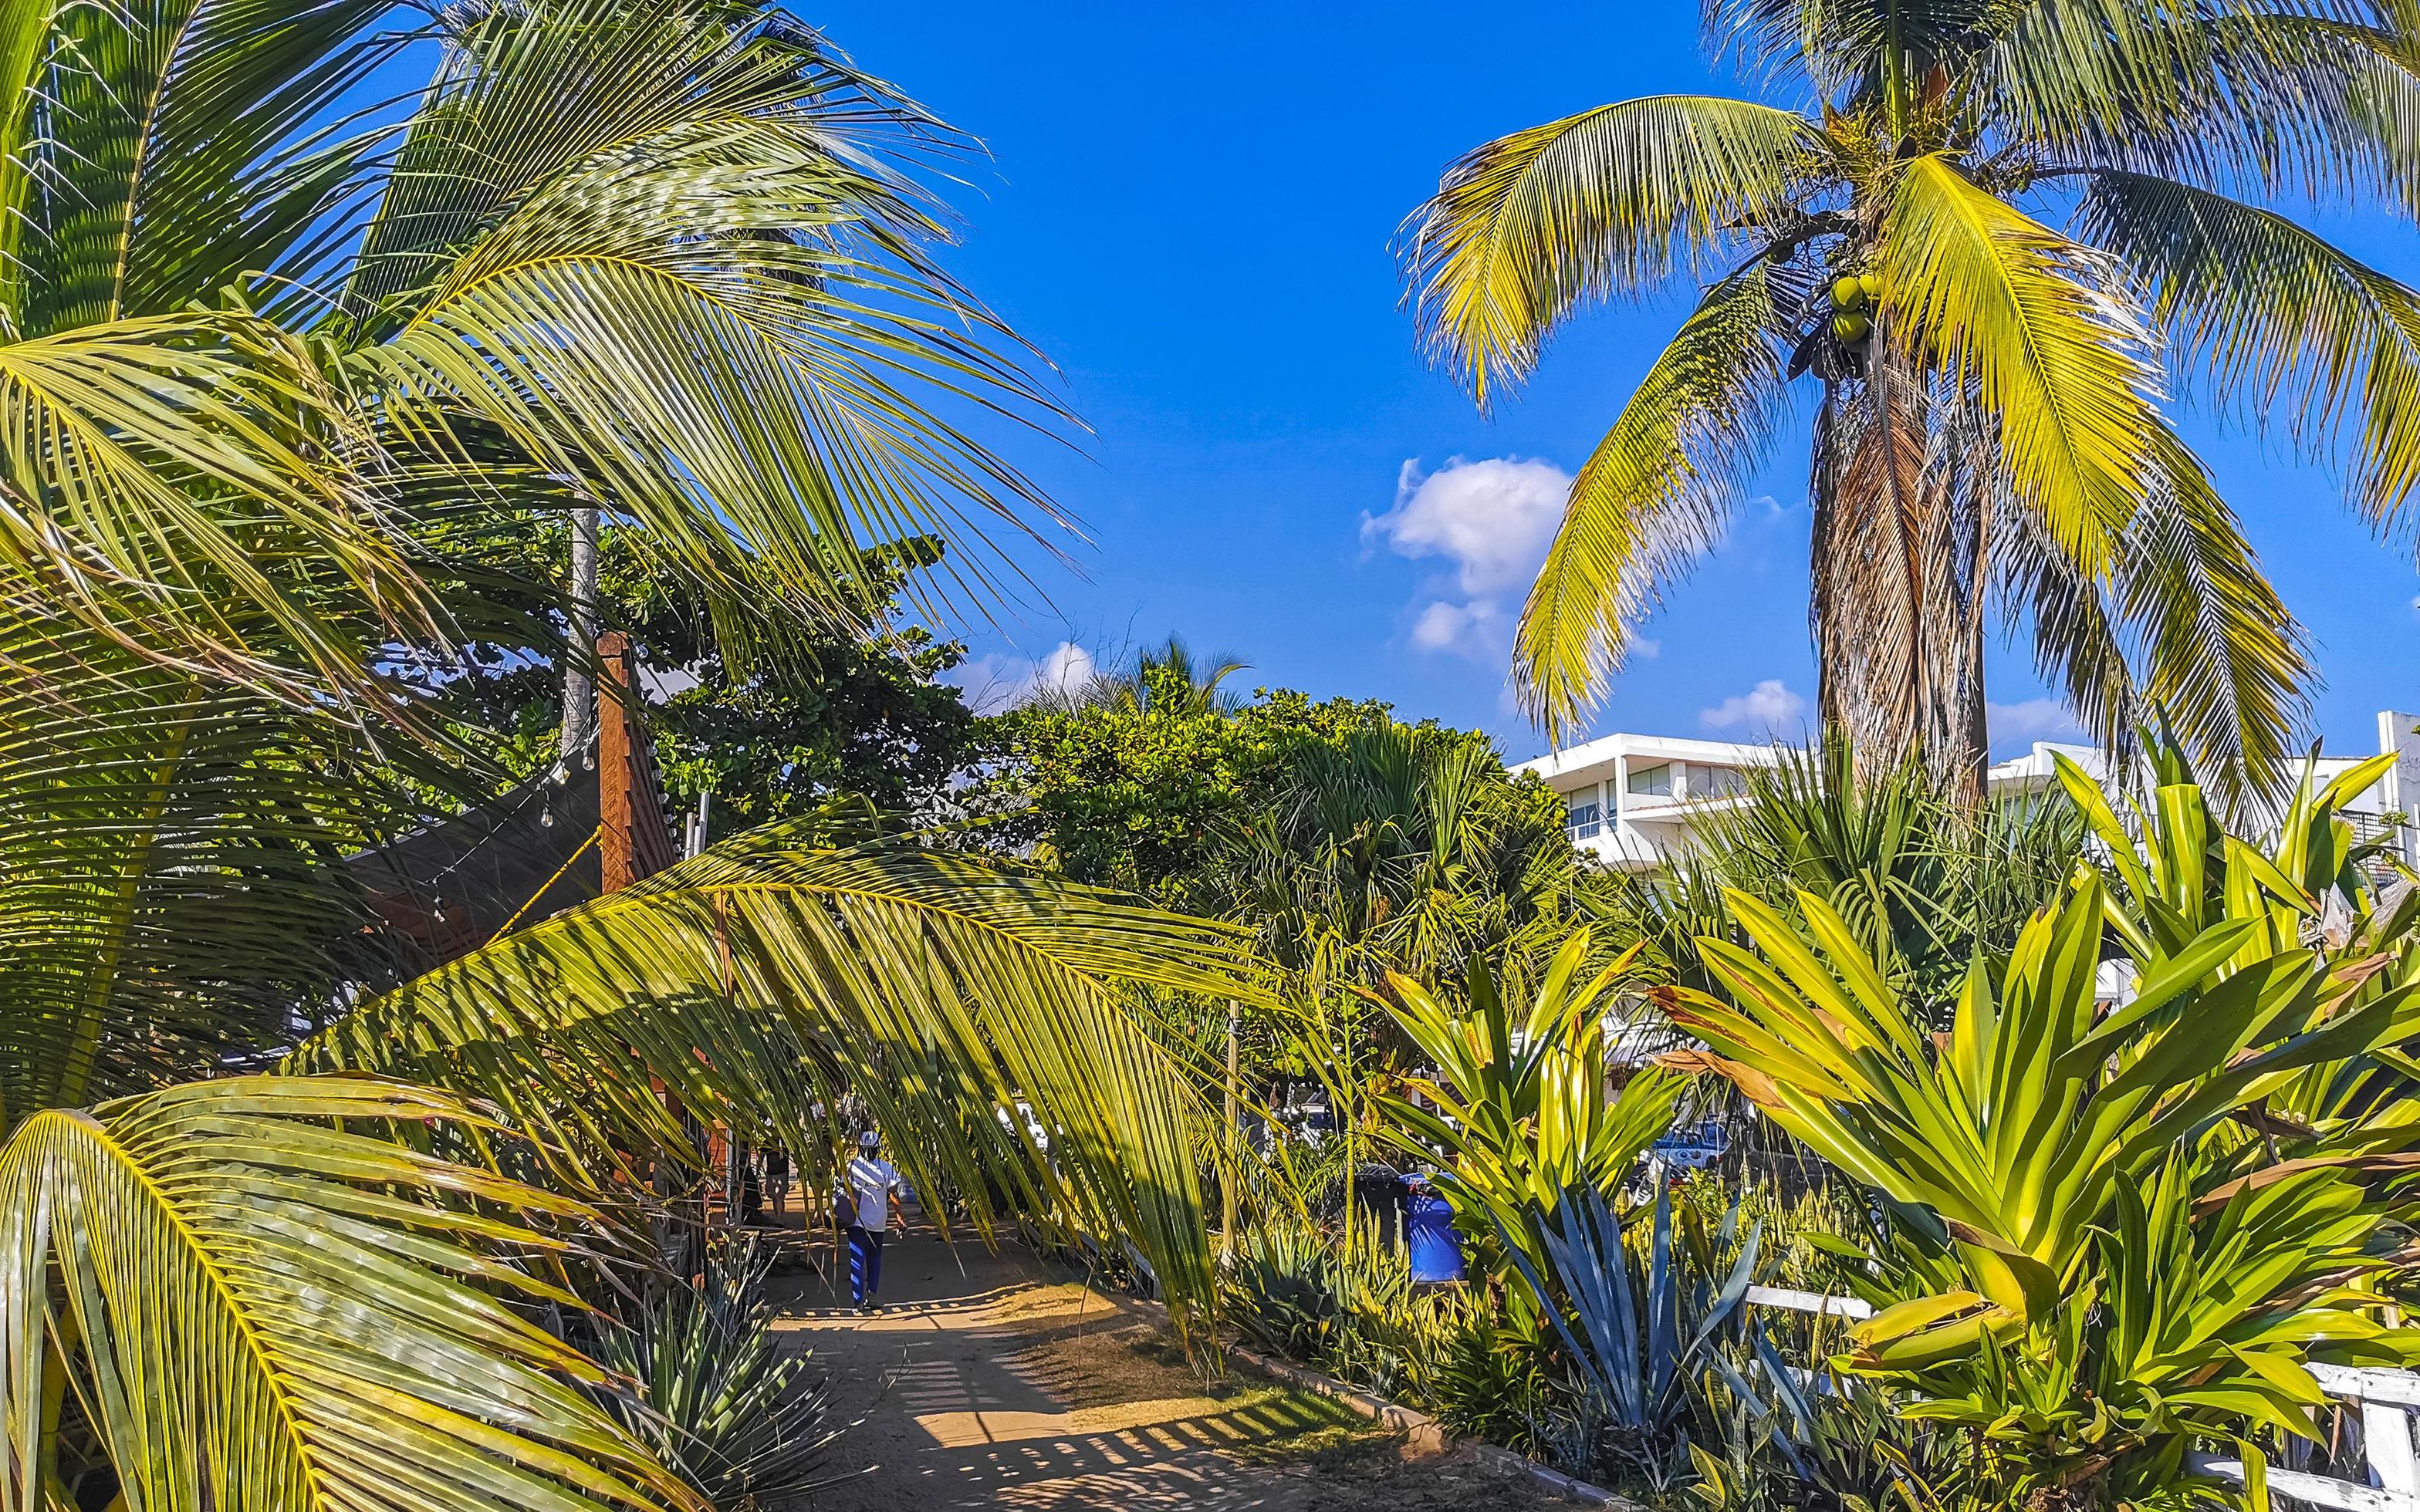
[2367, 1384]
[2387, 1436]
[1810, 1302]
[2317, 1490]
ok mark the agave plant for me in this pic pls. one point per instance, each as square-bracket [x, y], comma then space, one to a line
[717, 1398]
[2092, 1261]
[1990, 233]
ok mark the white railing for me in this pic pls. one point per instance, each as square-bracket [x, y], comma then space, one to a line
[2386, 1399]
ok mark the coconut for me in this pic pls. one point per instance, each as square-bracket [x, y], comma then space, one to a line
[1851, 327]
[1871, 285]
[1847, 292]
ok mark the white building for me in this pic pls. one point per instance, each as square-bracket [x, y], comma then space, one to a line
[1636, 799]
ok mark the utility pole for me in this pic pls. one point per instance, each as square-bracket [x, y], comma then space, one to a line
[579, 689]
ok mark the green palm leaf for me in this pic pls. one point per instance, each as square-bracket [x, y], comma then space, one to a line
[2321, 99]
[185, 486]
[761, 977]
[1654, 494]
[1608, 202]
[245, 1304]
[168, 895]
[156, 151]
[2001, 302]
[718, 317]
[2283, 323]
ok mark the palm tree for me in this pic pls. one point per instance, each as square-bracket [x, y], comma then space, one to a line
[270, 379]
[1164, 679]
[1987, 415]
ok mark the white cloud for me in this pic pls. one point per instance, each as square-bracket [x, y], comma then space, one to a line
[1763, 709]
[2033, 719]
[1492, 520]
[999, 681]
[1475, 628]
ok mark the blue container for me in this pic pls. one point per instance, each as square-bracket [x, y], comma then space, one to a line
[1436, 1250]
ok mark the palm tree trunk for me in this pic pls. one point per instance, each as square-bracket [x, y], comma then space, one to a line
[1897, 576]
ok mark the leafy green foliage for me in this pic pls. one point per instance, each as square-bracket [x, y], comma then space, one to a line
[180, 1274]
[2096, 1259]
[1925, 879]
[843, 711]
[1517, 1105]
[1154, 794]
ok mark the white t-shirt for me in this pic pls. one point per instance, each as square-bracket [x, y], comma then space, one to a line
[871, 1182]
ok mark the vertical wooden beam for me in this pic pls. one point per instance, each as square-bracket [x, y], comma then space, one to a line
[617, 784]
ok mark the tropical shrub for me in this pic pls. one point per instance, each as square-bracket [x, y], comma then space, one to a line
[1514, 1100]
[2098, 1259]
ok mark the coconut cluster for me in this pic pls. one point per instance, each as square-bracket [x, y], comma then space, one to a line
[1853, 298]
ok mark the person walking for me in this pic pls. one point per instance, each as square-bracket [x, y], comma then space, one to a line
[870, 1191]
[777, 1183]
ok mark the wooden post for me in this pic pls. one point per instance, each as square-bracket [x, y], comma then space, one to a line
[1235, 1137]
[617, 788]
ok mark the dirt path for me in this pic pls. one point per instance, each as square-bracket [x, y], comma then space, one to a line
[1003, 1386]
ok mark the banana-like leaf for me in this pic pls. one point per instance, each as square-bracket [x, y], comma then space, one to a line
[758, 978]
[240, 1299]
[1605, 203]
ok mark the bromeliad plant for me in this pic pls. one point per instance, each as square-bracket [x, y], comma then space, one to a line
[2096, 1263]
[1517, 1102]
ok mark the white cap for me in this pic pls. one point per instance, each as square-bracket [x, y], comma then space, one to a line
[868, 1140]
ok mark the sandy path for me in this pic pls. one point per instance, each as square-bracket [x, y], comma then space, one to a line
[1004, 1386]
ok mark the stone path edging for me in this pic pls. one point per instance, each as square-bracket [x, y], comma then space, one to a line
[1419, 1428]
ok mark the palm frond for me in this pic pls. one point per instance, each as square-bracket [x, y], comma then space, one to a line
[2224, 662]
[720, 316]
[2185, 632]
[2285, 326]
[242, 1301]
[760, 978]
[190, 487]
[2319, 99]
[168, 893]
[167, 146]
[1652, 496]
[1605, 203]
[2000, 300]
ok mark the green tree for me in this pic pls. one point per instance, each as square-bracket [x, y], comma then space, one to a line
[841, 711]
[1149, 794]
[1987, 417]
[275, 398]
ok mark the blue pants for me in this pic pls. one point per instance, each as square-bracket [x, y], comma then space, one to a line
[864, 1264]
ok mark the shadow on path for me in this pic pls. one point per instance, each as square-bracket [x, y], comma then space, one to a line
[989, 1382]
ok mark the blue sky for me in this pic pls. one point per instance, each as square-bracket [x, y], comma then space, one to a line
[1188, 210]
